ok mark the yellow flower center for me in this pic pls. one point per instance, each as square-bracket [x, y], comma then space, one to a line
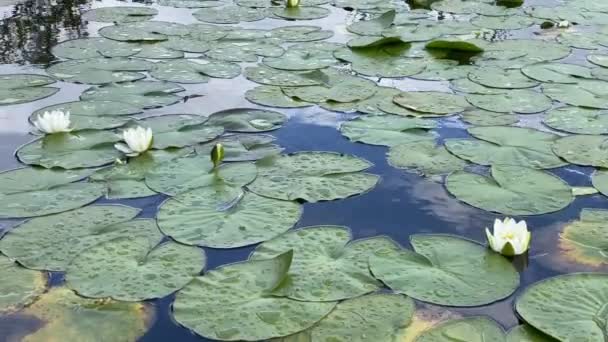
[508, 236]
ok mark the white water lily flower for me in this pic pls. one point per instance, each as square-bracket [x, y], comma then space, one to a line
[138, 140]
[510, 238]
[54, 121]
[563, 24]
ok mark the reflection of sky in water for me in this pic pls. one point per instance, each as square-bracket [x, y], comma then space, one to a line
[401, 204]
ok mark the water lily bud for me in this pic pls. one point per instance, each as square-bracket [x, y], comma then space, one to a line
[563, 24]
[293, 3]
[217, 155]
[510, 238]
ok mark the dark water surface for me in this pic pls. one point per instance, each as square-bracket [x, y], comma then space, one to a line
[401, 204]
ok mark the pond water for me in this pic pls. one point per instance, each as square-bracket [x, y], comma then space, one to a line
[401, 203]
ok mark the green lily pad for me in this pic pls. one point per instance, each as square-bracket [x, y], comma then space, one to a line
[600, 181]
[64, 315]
[36, 178]
[506, 145]
[229, 14]
[247, 120]
[300, 13]
[531, 51]
[22, 88]
[481, 117]
[583, 241]
[100, 70]
[120, 14]
[142, 270]
[589, 93]
[465, 85]
[210, 304]
[148, 31]
[374, 26]
[194, 70]
[337, 86]
[300, 33]
[244, 50]
[433, 102]
[368, 106]
[521, 101]
[443, 70]
[282, 78]
[557, 72]
[456, 44]
[378, 317]
[583, 40]
[601, 60]
[50, 242]
[179, 130]
[20, 286]
[273, 97]
[378, 63]
[243, 147]
[388, 130]
[507, 22]
[511, 190]
[567, 307]
[84, 48]
[313, 177]
[191, 3]
[300, 59]
[126, 180]
[526, 333]
[446, 270]
[464, 329]
[220, 216]
[588, 150]
[142, 94]
[185, 174]
[326, 265]
[500, 78]
[470, 7]
[424, 157]
[577, 120]
[71, 150]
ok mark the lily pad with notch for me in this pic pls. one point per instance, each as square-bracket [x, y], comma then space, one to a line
[586, 150]
[557, 72]
[587, 93]
[501, 78]
[22, 88]
[480, 117]
[424, 157]
[229, 14]
[20, 286]
[374, 26]
[388, 130]
[282, 78]
[247, 120]
[300, 33]
[274, 97]
[92, 47]
[243, 50]
[100, 70]
[194, 70]
[577, 120]
[521, 101]
[142, 94]
[120, 14]
[582, 241]
[149, 31]
[337, 86]
[475, 328]
[432, 102]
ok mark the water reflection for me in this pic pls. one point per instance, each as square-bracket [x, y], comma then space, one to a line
[34, 26]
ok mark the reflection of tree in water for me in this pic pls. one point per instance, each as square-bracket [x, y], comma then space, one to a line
[34, 26]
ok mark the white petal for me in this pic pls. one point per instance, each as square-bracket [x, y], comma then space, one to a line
[123, 148]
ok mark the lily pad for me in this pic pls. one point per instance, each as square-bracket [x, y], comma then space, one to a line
[481, 117]
[86, 115]
[600, 181]
[120, 14]
[22, 88]
[557, 72]
[388, 130]
[587, 150]
[500, 78]
[142, 270]
[520, 101]
[148, 31]
[80, 149]
[220, 216]
[50, 242]
[100, 70]
[431, 102]
[531, 51]
[567, 307]
[179, 130]
[243, 292]
[456, 44]
[300, 59]
[192, 3]
[243, 147]
[194, 70]
[247, 120]
[583, 241]
[229, 14]
[312, 177]
[424, 157]
[185, 174]
[300, 13]
[92, 47]
[465, 85]
[65, 315]
[37, 178]
[470, 7]
[577, 120]
[374, 26]
[20, 286]
[282, 78]
[464, 329]
[379, 63]
[506, 145]
[244, 50]
[300, 33]
[601, 60]
[511, 190]
[326, 265]
[446, 270]
[506, 22]
[526, 333]
[273, 97]
[443, 70]
[337, 86]
[590, 93]
[142, 94]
